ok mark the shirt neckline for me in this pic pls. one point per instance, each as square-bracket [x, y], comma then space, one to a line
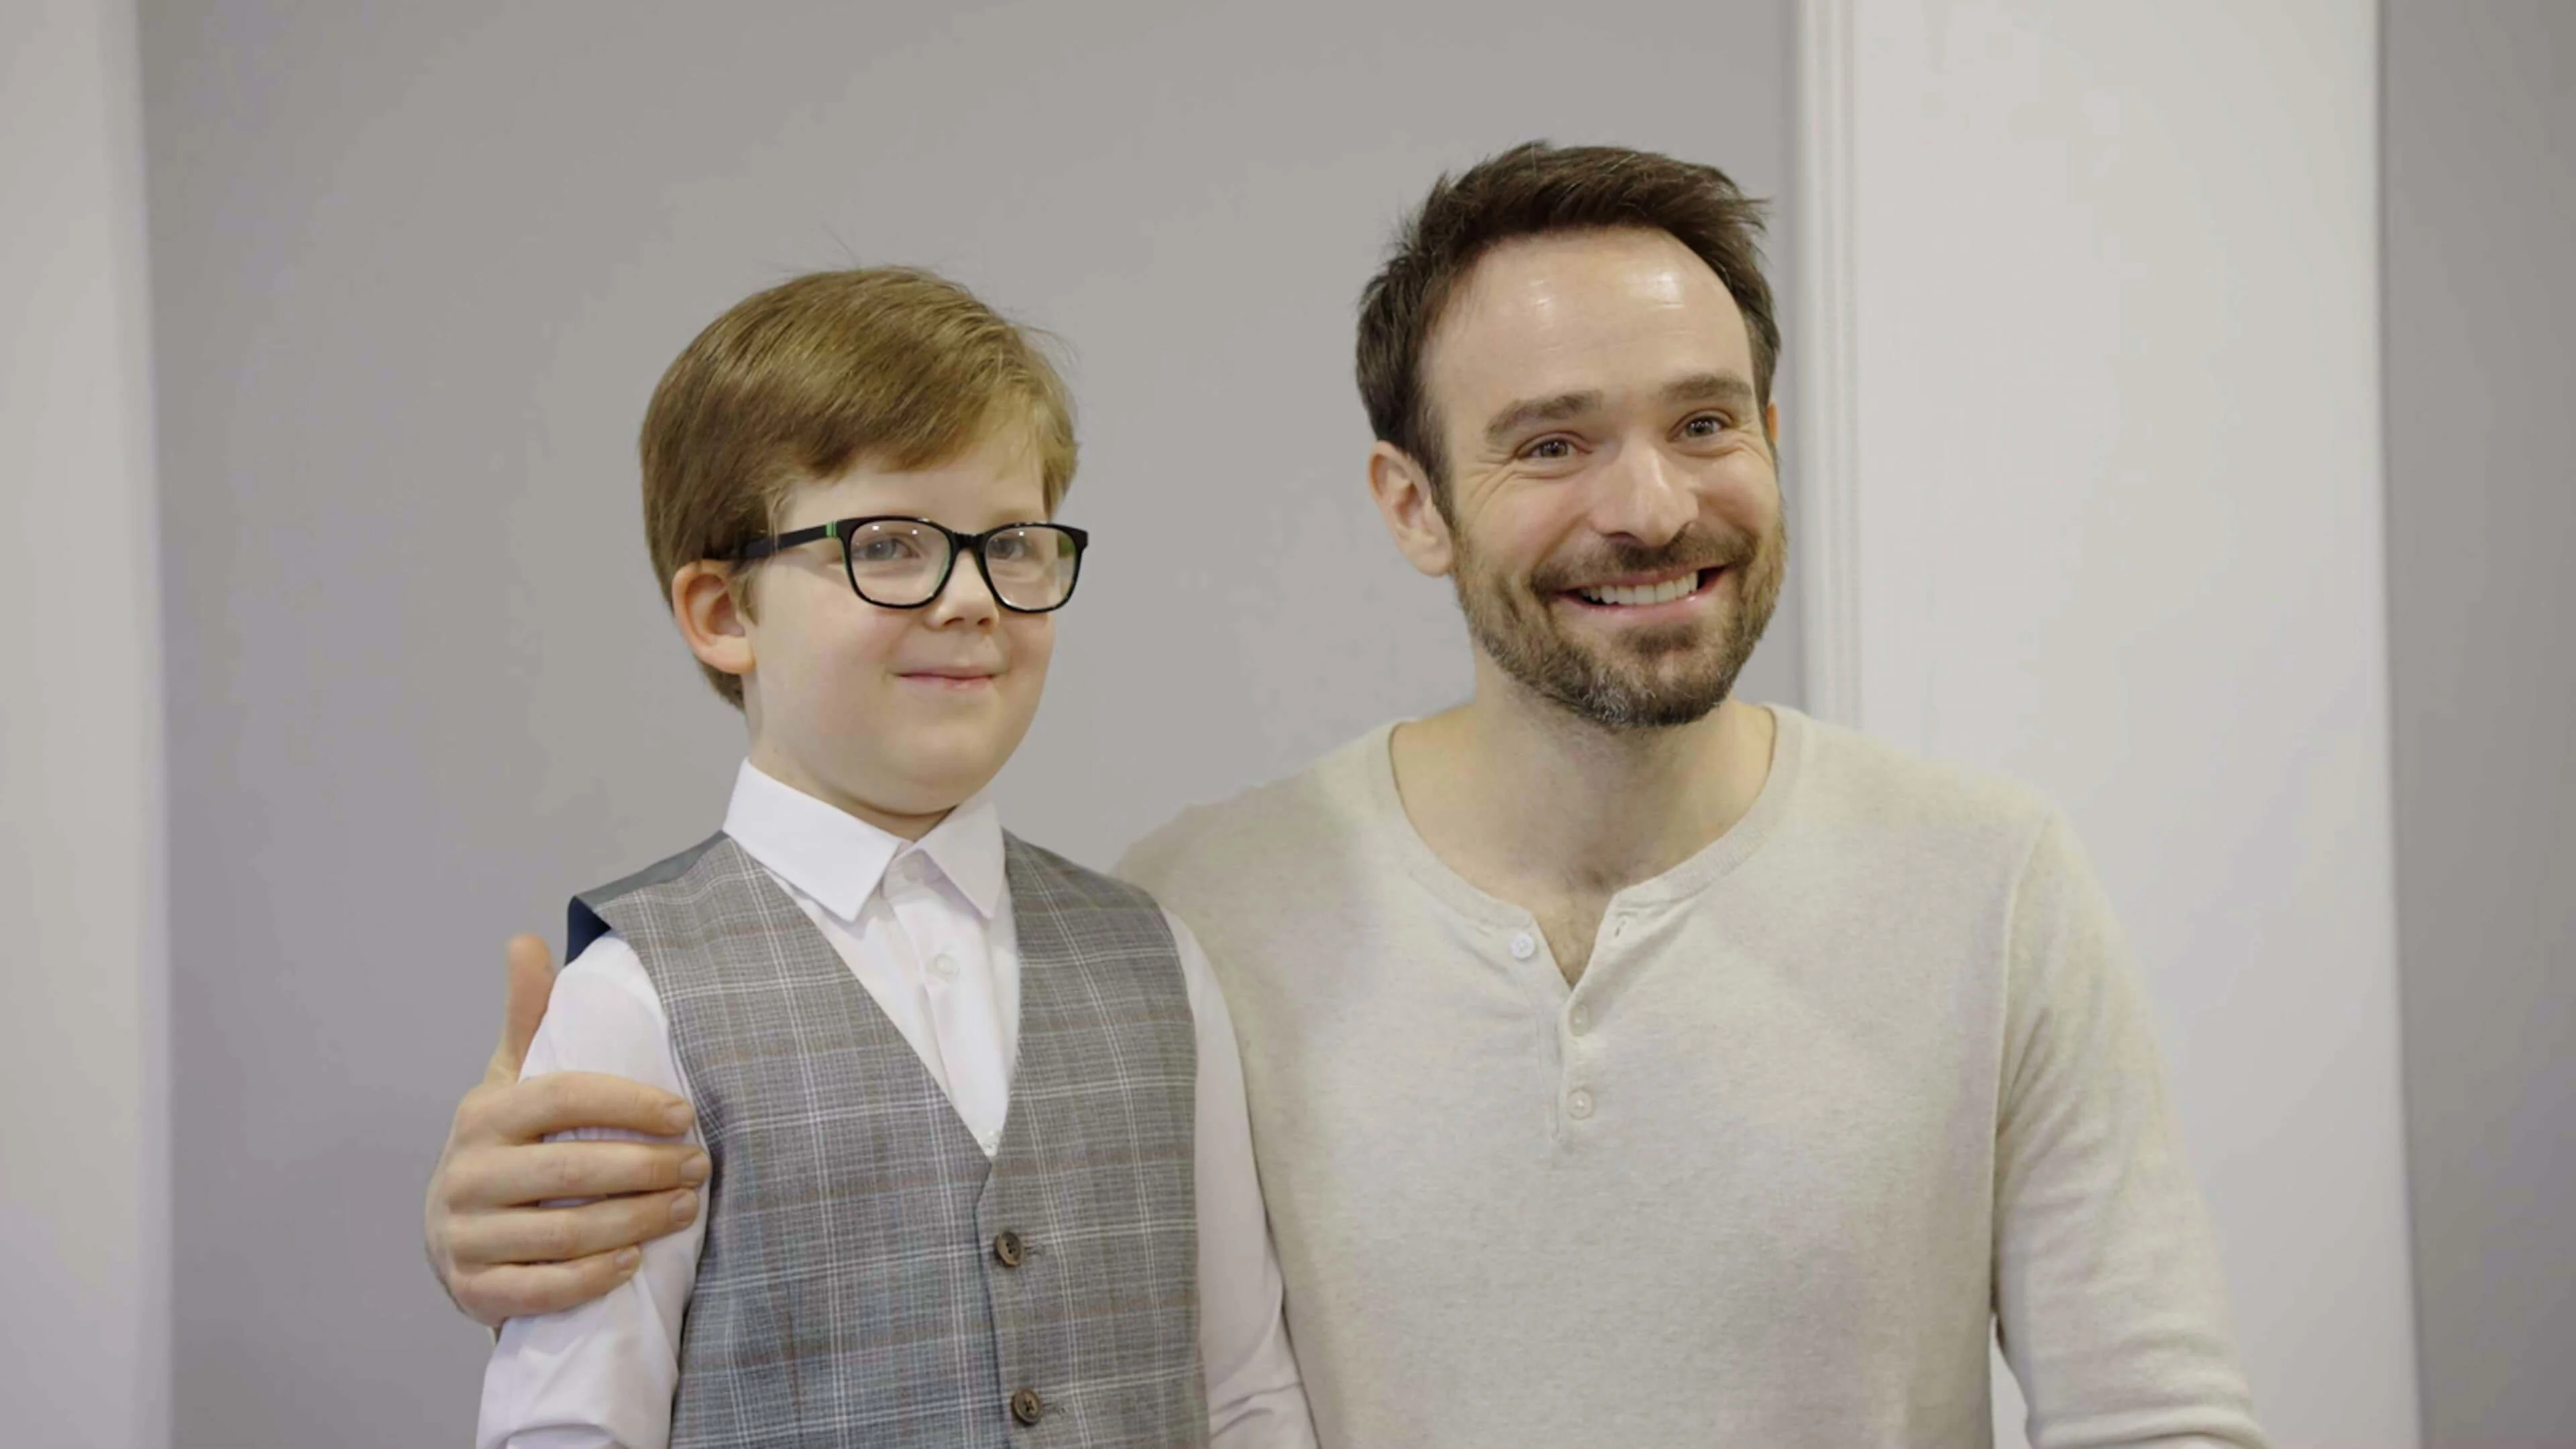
[838, 860]
[1696, 873]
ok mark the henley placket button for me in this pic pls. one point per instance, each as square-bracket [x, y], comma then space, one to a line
[1523, 947]
[1578, 1104]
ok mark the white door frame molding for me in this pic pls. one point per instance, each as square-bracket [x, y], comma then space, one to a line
[1822, 363]
[84, 1037]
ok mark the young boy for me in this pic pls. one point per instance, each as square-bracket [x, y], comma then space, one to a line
[982, 1173]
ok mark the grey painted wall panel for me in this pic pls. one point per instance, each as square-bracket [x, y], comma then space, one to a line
[416, 270]
[2480, 156]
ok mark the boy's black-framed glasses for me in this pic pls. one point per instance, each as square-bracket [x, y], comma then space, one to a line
[904, 563]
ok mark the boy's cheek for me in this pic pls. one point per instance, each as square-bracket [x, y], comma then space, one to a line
[1033, 643]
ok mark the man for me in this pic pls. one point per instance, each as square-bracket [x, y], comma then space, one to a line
[1627, 1064]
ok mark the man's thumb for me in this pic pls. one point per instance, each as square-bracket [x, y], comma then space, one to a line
[532, 980]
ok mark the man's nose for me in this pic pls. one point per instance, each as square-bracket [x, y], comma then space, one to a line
[1643, 495]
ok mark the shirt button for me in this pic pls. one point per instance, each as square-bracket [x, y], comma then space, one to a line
[944, 966]
[1578, 1104]
[1523, 946]
[1582, 1018]
[1027, 1407]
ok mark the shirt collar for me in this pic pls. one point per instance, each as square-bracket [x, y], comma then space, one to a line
[837, 858]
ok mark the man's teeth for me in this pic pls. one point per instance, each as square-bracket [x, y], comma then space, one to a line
[1663, 593]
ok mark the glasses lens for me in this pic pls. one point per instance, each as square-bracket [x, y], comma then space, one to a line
[1033, 566]
[897, 564]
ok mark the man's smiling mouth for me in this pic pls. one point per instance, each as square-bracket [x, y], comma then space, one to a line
[1644, 593]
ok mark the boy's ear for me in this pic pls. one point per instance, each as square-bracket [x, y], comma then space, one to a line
[1412, 514]
[706, 603]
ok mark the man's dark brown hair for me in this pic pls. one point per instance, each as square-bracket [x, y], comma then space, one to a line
[1536, 189]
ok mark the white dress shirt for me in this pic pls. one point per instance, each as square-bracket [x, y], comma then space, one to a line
[927, 929]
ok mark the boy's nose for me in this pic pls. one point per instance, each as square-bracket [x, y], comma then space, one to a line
[967, 597]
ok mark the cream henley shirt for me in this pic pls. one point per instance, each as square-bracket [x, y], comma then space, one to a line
[1860, 1085]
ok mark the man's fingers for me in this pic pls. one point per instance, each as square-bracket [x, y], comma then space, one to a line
[531, 969]
[493, 1294]
[489, 1179]
[535, 1237]
[509, 1177]
[539, 1107]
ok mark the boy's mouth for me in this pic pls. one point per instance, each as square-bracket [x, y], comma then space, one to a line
[950, 678]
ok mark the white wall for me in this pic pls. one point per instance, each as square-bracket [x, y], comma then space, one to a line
[2110, 291]
[84, 1143]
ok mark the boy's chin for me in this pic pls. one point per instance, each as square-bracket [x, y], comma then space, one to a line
[916, 798]
[942, 771]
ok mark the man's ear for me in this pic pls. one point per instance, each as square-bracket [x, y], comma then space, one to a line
[707, 604]
[1771, 425]
[1412, 514]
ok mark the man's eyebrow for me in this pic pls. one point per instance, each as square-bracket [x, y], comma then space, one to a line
[1527, 411]
[1709, 387]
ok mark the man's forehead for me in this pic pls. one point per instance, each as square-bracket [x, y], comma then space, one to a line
[1561, 315]
[1560, 275]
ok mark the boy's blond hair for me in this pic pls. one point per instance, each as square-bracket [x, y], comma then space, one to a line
[797, 384]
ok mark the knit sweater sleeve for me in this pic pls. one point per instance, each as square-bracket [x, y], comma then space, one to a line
[2108, 1297]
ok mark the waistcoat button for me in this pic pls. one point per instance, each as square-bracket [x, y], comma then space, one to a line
[1027, 1407]
[1008, 1250]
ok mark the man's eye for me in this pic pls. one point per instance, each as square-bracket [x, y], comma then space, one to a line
[1706, 425]
[1550, 450]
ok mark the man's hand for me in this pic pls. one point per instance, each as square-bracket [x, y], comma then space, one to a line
[499, 1253]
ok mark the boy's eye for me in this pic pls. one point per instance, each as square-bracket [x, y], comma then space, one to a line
[883, 548]
[1007, 548]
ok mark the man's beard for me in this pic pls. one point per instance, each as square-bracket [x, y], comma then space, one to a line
[1648, 678]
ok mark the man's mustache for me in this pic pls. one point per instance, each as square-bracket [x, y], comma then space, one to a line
[1694, 548]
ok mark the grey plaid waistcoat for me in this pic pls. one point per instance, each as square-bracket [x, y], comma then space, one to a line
[868, 1276]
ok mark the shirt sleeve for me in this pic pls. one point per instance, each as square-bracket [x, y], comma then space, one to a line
[1255, 1398]
[2108, 1297]
[601, 1374]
